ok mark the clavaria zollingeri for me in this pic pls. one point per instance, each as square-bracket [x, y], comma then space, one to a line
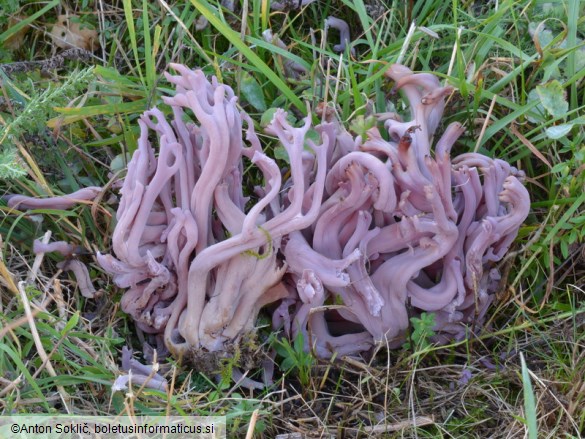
[384, 230]
[375, 225]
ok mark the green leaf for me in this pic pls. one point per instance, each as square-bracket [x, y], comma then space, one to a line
[267, 117]
[422, 330]
[573, 236]
[552, 97]
[288, 364]
[560, 167]
[361, 124]
[558, 131]
[150, 67]
[565, 249]
[312, 135]
[578, 220]
[536, 114]
[281, 154]
[299, 343]
[119, 162]
[252, 92]
[280, 349]
[72, 323]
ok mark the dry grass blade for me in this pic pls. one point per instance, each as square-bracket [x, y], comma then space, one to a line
[16, 323]
[65, 397]
[38, 259]
[528, 144]
[485, 124]
[419, 421]
[6, 277]
[252, 425]
[9, 386]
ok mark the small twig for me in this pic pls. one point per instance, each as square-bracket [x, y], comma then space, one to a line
[53, 63]
[357, 364]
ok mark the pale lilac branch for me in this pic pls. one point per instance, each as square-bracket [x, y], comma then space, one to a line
[63, 202]
[81, 273]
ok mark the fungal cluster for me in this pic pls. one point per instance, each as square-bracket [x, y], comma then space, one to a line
[357, 236]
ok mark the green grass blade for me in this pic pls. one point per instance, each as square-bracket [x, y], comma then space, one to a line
[572, 23]
[360, 8]
[16, 358]
[132, 33]
[74, 114]
[234, 37]
[529, 402]
[277, 50]
[148, 58]
[566, 216]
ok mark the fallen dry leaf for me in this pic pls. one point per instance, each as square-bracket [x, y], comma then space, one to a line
[69, 32]
[17, 40]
